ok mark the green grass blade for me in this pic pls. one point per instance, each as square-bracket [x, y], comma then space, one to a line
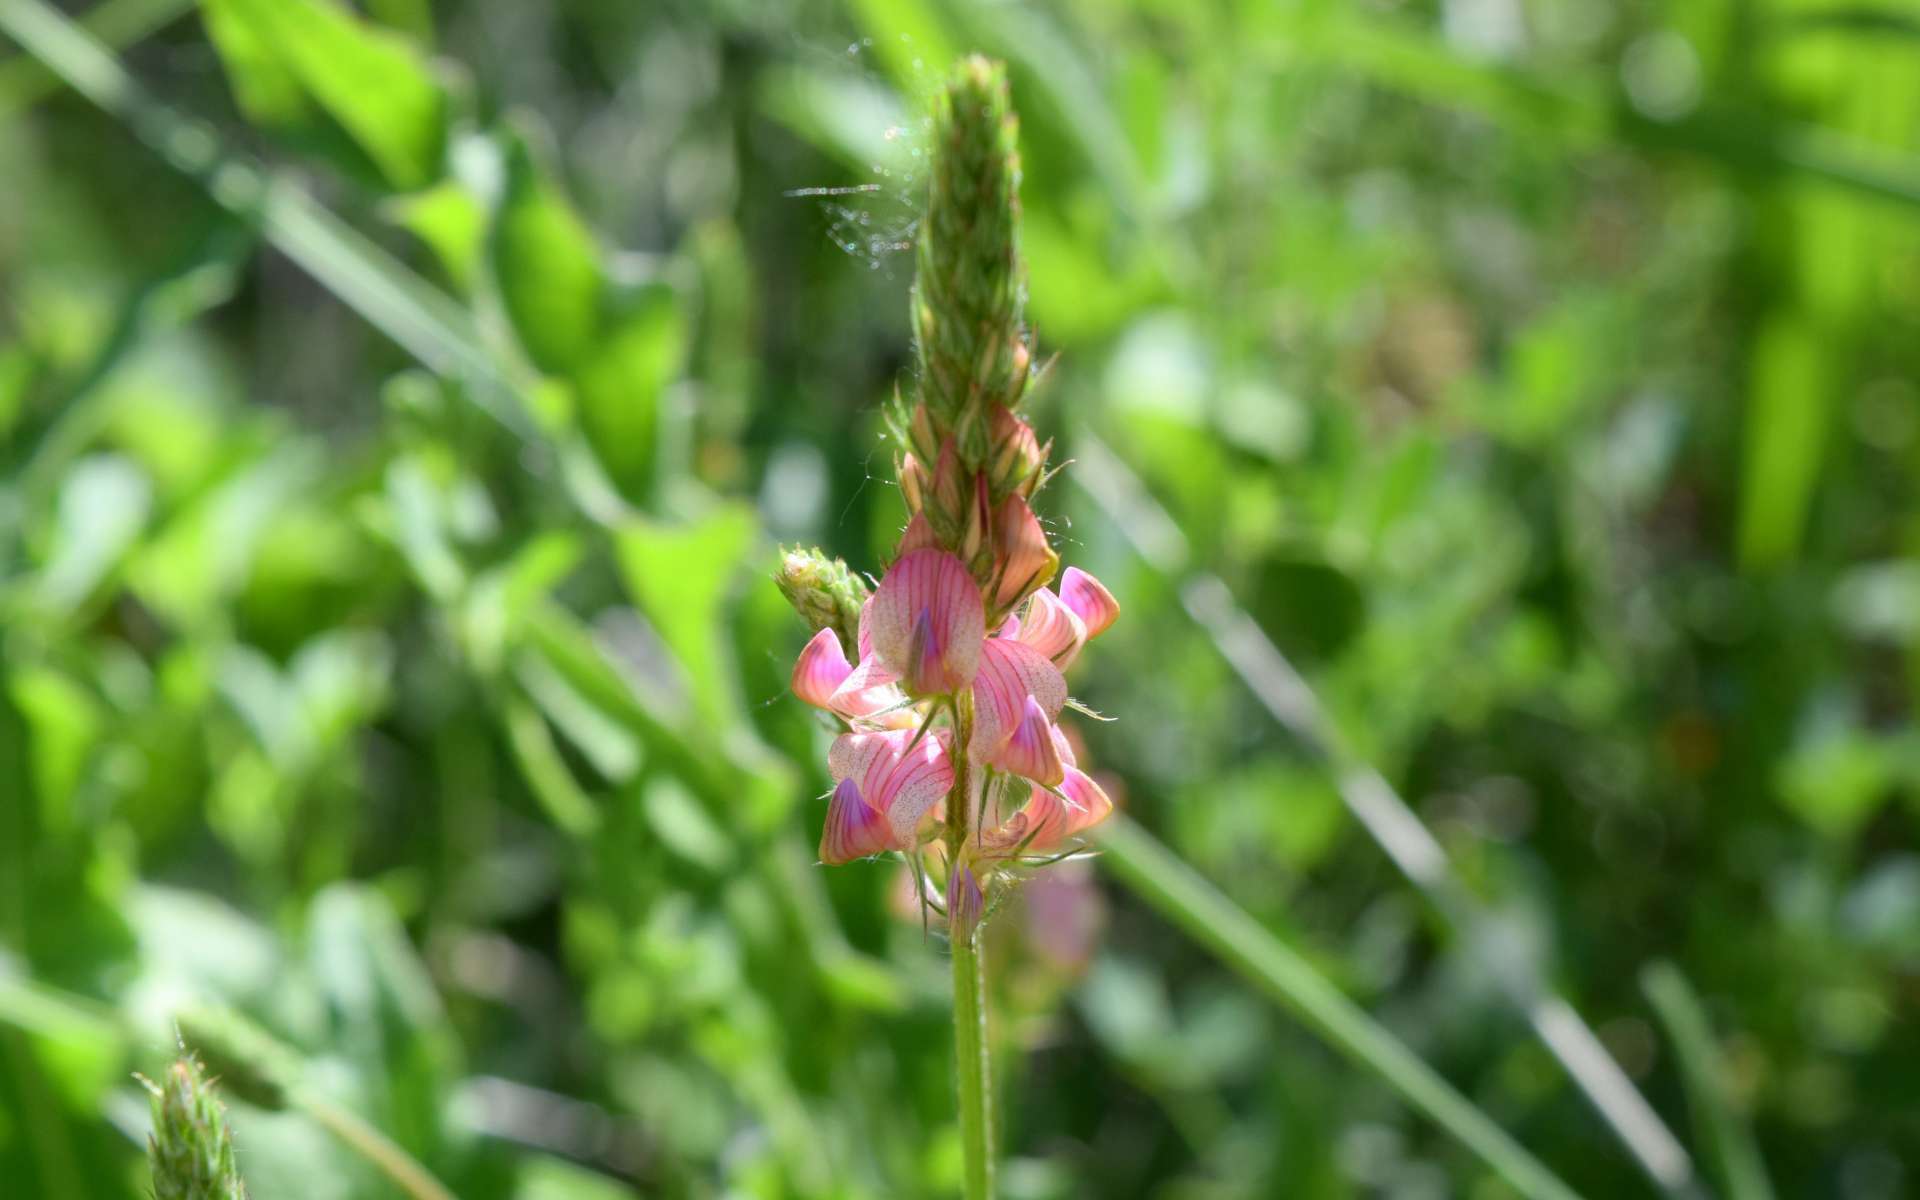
[1734, 1154]
[1157, 876]
[1381, 812]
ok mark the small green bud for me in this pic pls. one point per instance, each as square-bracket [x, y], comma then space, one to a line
[825, 593]
[190, 1149]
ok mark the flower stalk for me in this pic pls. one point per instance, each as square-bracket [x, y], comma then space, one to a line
[948, 679]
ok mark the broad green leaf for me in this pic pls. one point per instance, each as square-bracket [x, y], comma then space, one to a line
[453, 224]
[288, 58]
[679, 576]
[620, 385]
[547, 264]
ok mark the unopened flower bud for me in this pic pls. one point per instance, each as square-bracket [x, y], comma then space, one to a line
[913, 482]
[1017, 457]
[824, 592]
[190, 1149]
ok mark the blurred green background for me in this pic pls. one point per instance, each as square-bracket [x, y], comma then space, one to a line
[400, 404]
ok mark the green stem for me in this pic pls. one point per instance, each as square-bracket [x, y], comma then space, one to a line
[1210, 918]
[972, 1052]
[377, 1148]
[971, 1057]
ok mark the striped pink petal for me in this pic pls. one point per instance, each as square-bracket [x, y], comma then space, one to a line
[854, 829]
[822, 667]
[902, 774]
[1052, 628]
[1043, 824]
[1087, 801]
[1089, 600]
[927, 622]
[1010, 674]
[1026, 560]
[1031, 751]
[917, 781]
[866, 690]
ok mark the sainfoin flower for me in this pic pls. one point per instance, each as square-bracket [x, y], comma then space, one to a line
[948, 689]
[923, 639]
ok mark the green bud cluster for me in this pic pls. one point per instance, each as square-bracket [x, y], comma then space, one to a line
[825, 593]
[970, 289]
[190, 1149]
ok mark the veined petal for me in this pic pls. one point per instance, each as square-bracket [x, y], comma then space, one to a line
[1052, 628]
[1030, 750]
[1089, 600]
[1043, 824]
[927, 622]
[855, 755]
[1010, 673]
[1026, 561]
[914, 781]
[853, 829]
[1088, 801]
[821, 668]
[867, 689]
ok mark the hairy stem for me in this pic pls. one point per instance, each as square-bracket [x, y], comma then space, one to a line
[972, 1062]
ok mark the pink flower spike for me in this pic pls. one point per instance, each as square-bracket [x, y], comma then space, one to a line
[927, 622]
[1088, 801]
[1010, 674]
[1089, 600]
[1026, 560]
[1030, 751]
[853, 829]
[1053, 629]
[822, 668]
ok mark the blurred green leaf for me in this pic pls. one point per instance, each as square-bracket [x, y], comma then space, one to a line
[290, 59]
[546, 261]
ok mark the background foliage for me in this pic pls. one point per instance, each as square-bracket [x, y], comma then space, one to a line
[397, 428]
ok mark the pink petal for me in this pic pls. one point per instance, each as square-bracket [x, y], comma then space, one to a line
[853, 829]
[1020, 545]
[965, 902]
[918, 536]
[822, 667]
[1010, 673]
[1088, 801]
[1052, 628]
[1064, 746]
[1093, 603]
[1030, 751]
[854, 755]
[914, 782]
[867, 689]
[927, 622]
[1043, 824]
